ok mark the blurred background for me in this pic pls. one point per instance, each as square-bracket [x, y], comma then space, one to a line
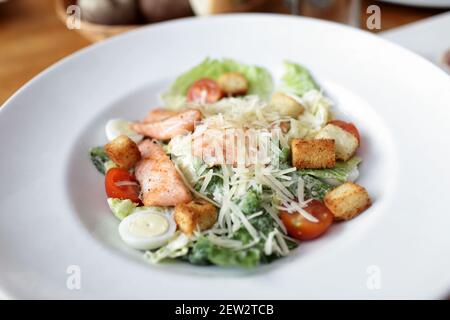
[35, 34]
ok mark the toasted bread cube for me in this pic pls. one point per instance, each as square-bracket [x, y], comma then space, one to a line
[195, 215]
[346, 143]
[286, 105]
[313, 154]
[123, 151]
[233, 83]
[347, 201]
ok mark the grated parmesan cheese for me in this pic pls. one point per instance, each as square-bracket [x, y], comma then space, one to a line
[271, 182]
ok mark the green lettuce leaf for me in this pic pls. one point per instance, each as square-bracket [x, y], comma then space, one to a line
[315, 188]
[260, 80]
[204, 252]
[285, 155]
[340, 173]
[177, 247]
[297, 79]
[99, 158]
[230, 258]
[250, 203]
[216, 182]
[123, 208]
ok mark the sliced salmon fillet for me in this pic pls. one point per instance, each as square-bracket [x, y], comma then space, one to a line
[158, 114]
[168, 128]
[161, 184]
[145, 147]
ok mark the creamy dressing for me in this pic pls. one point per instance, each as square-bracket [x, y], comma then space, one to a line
[150, 225]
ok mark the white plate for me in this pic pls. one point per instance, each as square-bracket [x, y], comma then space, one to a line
[428, 37]
[422, 3]
[53, 206]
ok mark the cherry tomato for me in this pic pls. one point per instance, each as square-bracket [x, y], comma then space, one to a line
[300, 228]
[349, 127]
[204, 91]
[119, 183]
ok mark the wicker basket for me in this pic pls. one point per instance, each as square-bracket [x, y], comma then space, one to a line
[92, 31]
[228, 6]
[97, 32]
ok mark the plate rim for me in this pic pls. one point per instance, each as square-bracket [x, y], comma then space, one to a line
[93, 47]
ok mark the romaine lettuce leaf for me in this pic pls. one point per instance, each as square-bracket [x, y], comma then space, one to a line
[248, 258]
[99, 158]
[123, 208]
[250, 203]
[177, 247]
[260, 80]
[315, 188]
[297, 79]
[204, 252]
[341, 172]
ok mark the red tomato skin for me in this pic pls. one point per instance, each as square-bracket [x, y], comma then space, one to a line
[349, 127]
[300, 228]
[115, 175]
[204, 90]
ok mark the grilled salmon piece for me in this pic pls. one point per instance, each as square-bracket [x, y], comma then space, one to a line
[161, 184]
[157, 115]
[145, 147]
[166, 129]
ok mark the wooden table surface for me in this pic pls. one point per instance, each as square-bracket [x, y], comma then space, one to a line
[32, 38]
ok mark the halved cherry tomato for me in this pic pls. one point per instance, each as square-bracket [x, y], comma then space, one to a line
[300, 228]
[121, 184]
[347, 126]
[204, 91]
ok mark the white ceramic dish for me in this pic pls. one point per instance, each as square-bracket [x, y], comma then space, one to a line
[428, 37]
[422, 3]
[53, 208]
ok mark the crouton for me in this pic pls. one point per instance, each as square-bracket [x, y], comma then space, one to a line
[347, 201]
[313, 154]
[346, 143]
[286, 105]
[233, 83]
[195, 215]
[123, 151]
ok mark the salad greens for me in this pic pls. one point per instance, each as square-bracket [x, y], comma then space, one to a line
[99, 158]
[285, 155]
[315, 188]
[204, 252]
[340, 173]
[246, 217]
[215, 183]
[297, 79]
[177, 247]
[260, 80]
[250, 203]
[121, 208]
[318, 182]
